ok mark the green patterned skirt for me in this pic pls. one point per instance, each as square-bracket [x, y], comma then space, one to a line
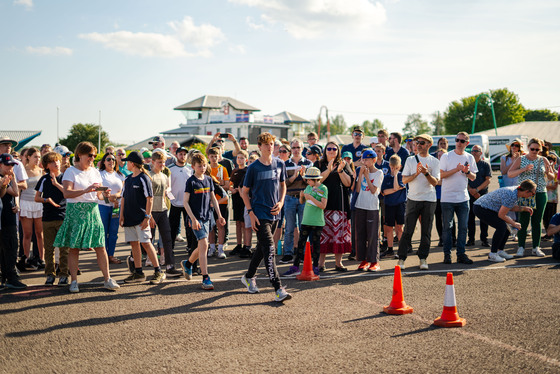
[82, 227]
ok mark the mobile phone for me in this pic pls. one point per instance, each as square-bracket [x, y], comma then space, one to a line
[102, 188]
[224, 135]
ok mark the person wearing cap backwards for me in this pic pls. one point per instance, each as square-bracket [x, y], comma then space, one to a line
[6, 145]
[366, 213]
[159, 142]
[395, 140]
[457, 168]
[65, 153]
[421, 172]
[356, 147]
[8, 224]
[313, 153]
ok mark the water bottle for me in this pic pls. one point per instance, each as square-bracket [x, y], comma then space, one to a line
[279, 248]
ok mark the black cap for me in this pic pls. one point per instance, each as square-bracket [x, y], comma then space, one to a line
[315, 148]
[134, 157]
[7, 159]
[358, 128]
[181, 149]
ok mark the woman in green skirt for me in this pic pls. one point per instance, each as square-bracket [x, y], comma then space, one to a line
[82, 227]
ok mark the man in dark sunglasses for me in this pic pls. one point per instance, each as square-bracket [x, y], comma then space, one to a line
[477, 188]
[456, 168]
[395, 148]
[356, 147]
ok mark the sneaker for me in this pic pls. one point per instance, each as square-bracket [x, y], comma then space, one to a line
[180, 238]
[538, 252]
[423, 264]
[187, 271]
[148, 263]
[130, 263]
[236, 250]
[245, 252]
[316, 270]
[211, 252]
[447, 258]
[292, 271]
[15, 284]
[495, 257]
[20, 265]
[351, 258]
[440, 244]
[110, 284]
[135, 278]
[282, 295]
[250, 283]
[485, 244]
[50, 280]
[400, 264]
[40, 264]
[374, 266]
[158, 277]
[503, 254]
[520, 252]
[464, 259]
[173, 273]
[286, 259]
[470, 243]
[63, 281]
[363, 266]
[31, 265]
[221, 254]
[387, 253]
[207, 284]
[74, 287]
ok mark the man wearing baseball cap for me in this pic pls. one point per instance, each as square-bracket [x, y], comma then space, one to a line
[6, 145]
[356, 147]
[159, 142]
[8, 224]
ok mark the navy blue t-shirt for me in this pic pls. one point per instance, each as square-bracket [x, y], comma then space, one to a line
[46, 188]
[555, 221]
[264, 182]
[135, 193]
[396, 197]
[200, 191]
[356, 152]
[9, 218]
[402, 153]
[484, 170]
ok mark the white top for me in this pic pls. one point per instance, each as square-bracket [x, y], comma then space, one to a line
[179, 176]
[112, 180]
[420, 189]
[454, 187]
[19, 171]
[83, 179]
[367, 200]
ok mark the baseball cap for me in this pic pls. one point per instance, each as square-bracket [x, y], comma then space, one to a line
[147, 154]
[358, 128]
[134, 157]
[7, 159]
[425, 137]
[347, 154]
[374, 140]
[315, 148]
[157, 139]
[369, 153]
[62, 150]
[182, 149]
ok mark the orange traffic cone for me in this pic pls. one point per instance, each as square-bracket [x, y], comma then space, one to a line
[449, 317]
[397, 306]
[307, 274]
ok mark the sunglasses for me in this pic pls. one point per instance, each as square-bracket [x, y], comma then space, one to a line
[461, 141]
[296, 147]
[121, 154]
[93, 155]
[516, 145]
[357, 133]
[332, 149]
[67, 154]
[535, 149]
[283, 151]
[109, 159]
[475, 151]
[421, 142]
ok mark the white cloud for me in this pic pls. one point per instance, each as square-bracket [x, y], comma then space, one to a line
[187, 40]
[308, 19]
[253, 25]
[26, 3]
[237, 48]
[53, 51]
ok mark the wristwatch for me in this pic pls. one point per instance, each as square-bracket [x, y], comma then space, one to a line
[148, 216]
[249, 210]
[427, 173]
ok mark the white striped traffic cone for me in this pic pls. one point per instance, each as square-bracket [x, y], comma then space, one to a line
[449, 316]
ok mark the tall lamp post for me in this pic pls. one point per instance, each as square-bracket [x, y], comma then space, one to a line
[491, 104]
[328, 123]
[99, 134]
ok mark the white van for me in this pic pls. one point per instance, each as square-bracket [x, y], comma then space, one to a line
[498, 147]
[476, 139]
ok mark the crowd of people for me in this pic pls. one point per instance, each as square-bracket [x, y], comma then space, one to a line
[361, 200]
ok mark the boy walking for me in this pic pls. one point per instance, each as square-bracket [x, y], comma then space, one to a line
[265, 182]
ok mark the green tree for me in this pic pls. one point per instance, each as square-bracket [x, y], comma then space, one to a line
[541, 115]
[338, 126]
[459, 114]
[437, 123]
[371, 127]
[415, 125]
[85, 132]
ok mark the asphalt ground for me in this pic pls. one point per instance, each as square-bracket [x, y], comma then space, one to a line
[334, 325]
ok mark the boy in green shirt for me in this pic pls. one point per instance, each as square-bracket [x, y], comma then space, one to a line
[315, 198]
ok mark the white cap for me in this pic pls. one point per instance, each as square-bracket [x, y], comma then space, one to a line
[374, 140]
[61, 150]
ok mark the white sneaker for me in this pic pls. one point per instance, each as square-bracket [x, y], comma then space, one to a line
[423, 264]
[110, 284]
[503, 254]
[74, 287]
[211, 252]
[537, 252]
[221, 254]
[250, 283]
[495, 257]
[520, 252]
[282, 295]
[401, 264]
[180, 238]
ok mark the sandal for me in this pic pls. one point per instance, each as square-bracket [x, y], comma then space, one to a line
[114, 260]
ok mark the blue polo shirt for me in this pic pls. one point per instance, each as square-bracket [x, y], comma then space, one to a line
[264, 181]
[135, 192]
[356, 152]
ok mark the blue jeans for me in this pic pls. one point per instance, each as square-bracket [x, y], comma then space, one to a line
[111, 226]
[462, 211]
[293, 211]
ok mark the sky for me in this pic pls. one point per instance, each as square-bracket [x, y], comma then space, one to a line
[130, 62]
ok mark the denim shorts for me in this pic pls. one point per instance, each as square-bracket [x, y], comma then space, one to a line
[204, 230]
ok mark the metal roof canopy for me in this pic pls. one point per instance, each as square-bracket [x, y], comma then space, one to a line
[215, 102]
[23, 137]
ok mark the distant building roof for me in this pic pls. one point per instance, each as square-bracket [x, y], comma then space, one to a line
[183, 139]
[292, 118]
[545, 130]
[23, 137]
[215, 102]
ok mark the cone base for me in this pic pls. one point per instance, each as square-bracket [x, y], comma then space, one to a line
[400, 311]
[307, 277]
[445, 323]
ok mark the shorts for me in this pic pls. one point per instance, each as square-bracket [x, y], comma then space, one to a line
[395, 214]
[204, 230]
[31, 209]
[238, 205]
[136, 234]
